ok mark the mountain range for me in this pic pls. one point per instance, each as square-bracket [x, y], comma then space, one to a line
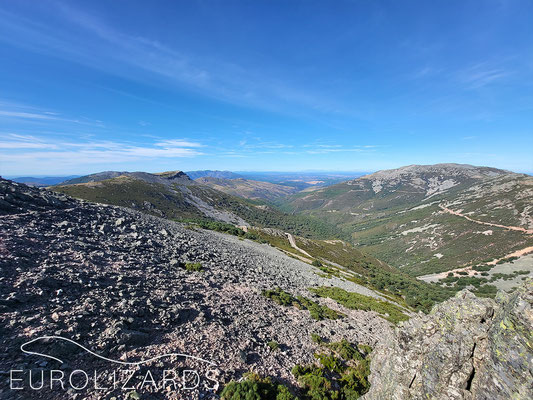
[213, 174]
[249, 189]
[429, 219]
[275, 315]
[424, 221]
[174, 195]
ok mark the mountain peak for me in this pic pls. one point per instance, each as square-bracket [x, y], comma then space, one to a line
[172, 175]
[450, 169]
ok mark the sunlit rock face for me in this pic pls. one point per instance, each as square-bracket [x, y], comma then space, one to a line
[466, 348]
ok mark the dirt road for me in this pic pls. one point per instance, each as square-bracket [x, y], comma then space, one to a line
[470, 271]
[512, 228]
[294, 246]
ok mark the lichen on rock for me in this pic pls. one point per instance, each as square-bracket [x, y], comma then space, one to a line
[467, 348]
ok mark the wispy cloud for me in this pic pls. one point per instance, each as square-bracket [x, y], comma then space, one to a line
[20, 143]
[40, 153]
[340, 150]
[482, 74]
[10, 111]
[26, 115]
[119, 52]
[247, 148]
[178, 143]
[325, 148]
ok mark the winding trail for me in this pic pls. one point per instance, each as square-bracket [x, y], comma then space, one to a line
[295, 246]
[512, 228]
[468, 269]
[472, 272]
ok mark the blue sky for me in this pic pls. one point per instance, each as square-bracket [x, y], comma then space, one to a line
[264, 85]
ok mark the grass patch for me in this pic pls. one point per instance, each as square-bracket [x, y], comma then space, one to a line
[356, 301]
[222, 227]
[194, 267]
[254, 387]
[317, 311]
[273, 345]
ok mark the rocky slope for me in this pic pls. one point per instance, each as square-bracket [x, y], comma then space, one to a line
[115, 281]
[132, 287]
[466, 349]
[249, 189]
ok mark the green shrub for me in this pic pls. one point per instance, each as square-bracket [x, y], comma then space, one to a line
[273, 345]
[419, 295]
[317, 311]
[316, 263]
[356, 301]
[300, 370]
[317, 387]
[486, 291]
[330, 362]
[193, 267]
[483, 268]
[356, 380]
[279, 296]
[366, 349]
[315, 337]
[336, 378]
[256, 388]
[345, 350]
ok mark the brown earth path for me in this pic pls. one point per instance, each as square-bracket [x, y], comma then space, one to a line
[471, 272]
[513, 228]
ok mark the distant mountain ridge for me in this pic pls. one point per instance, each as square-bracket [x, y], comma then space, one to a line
[175, 196]
[101, 176]
[42, 181]
[213, 174]
[249, 189]
[397, 215]
[431, 179]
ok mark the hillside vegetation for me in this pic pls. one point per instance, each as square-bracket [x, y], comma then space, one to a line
[249, 189]
[173, 195]
[402, 216]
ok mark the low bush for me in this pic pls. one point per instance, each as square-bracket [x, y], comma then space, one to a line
[194, 267]
[486, 291]
[483, 268]
[343, 376]
[273, 345]
[317, 311]
[330, 362]
[345, 350]
[315, 337]
[253, 387]
[356, 301]
[279, 296]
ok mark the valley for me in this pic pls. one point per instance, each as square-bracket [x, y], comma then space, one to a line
[130, 285]
[429, 219]
[188, 264]
[421, 221]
